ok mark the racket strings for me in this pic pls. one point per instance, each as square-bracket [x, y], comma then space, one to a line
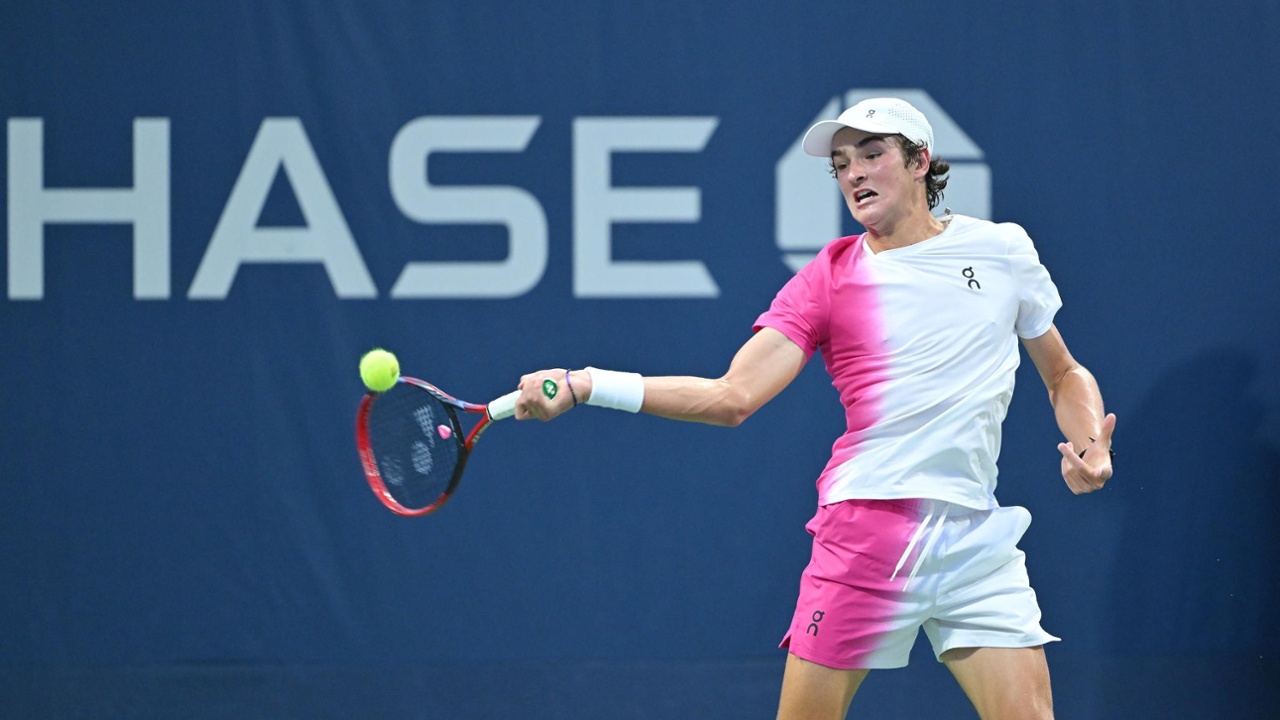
[415, 445]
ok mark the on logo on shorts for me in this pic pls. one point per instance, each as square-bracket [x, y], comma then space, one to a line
[813, 626]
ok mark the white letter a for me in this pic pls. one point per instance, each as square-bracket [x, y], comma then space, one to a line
[282, 143]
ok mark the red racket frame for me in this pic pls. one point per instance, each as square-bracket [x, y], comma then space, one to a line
[370, 464]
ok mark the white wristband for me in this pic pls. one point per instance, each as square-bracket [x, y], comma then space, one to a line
[617, 390]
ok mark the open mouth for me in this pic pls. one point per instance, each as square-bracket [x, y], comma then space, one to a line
[862, 195]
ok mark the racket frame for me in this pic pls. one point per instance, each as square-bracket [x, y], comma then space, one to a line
[369, 462]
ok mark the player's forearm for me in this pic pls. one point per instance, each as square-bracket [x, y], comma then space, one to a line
[762, 367]
[1077, 406]
[692, 399]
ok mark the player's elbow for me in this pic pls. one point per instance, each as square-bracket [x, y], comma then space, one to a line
[734, 407]
[1065, 377]
[732, 417]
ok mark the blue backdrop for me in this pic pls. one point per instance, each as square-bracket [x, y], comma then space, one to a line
[211, 210]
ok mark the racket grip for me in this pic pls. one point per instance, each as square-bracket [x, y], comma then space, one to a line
[503, 407]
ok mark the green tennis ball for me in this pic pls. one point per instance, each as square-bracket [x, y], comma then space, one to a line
[379, 370]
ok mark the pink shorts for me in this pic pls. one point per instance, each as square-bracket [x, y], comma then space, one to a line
[882, 569]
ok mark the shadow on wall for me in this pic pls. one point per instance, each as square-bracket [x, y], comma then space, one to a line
[1199, 486]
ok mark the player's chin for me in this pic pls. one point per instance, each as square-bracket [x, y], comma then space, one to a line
[867, 217]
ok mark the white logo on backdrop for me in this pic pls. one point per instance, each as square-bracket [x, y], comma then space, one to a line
[282, 147]
[809, 211]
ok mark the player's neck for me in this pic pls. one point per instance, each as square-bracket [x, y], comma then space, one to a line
[918, 226]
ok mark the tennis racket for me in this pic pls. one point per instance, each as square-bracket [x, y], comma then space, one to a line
[412, 444]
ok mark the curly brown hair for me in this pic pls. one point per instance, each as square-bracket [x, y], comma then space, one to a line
[935, 181]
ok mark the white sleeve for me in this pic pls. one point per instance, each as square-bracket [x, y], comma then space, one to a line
[1038, 299]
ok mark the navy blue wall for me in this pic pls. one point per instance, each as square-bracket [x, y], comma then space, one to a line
[186, 531]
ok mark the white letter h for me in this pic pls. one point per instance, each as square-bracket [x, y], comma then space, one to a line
[145, 206]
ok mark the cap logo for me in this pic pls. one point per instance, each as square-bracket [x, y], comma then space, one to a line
[870, 113]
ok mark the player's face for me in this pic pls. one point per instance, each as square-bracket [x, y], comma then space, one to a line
[877, 185]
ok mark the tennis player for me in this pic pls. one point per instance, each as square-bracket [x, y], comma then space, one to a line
[918, 321]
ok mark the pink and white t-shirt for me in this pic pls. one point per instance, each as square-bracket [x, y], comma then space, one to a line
[921, 342]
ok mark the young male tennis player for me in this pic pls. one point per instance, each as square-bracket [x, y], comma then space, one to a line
[918, 322]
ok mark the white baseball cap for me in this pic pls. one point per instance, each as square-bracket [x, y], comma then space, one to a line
[882, 116]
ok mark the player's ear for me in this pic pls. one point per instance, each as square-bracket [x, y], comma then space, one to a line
[921, 166]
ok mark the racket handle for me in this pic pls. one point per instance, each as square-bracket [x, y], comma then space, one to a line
[504, 407]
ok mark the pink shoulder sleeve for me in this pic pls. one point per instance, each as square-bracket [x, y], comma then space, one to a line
[800, 309]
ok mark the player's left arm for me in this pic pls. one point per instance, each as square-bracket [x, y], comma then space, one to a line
[1077, 406]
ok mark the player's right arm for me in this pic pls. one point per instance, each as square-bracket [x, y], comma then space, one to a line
[766, 364]
[762, 367]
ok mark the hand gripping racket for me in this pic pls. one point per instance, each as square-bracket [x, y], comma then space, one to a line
[411, 442]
